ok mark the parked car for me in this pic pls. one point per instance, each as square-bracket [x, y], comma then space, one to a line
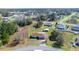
[46, 30]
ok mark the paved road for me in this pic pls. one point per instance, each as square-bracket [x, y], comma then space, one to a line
[40, 47]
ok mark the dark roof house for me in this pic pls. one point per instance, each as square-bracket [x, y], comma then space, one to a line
[38, 35]
[61, 26]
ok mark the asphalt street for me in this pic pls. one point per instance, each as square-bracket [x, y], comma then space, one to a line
[40, 47]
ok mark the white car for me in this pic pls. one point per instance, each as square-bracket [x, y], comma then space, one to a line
[46, 30]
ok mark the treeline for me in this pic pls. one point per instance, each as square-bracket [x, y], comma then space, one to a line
[42, 10]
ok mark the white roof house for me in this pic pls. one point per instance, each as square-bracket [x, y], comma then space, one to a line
[47, 23]
[5, 18]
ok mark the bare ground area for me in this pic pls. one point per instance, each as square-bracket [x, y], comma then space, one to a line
[23, 42]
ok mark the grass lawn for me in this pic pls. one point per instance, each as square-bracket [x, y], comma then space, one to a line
[68, 37]
[31, 30]
[78, 21]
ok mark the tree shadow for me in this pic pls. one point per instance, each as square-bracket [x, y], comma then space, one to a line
[56, 45]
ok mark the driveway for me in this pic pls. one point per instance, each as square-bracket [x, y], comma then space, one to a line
[40, 47]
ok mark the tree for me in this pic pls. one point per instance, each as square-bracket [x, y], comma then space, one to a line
[22, 21]
[58, 38]
[0, 17]
[53, 35]
[52, 17]
[38, 24]
[5, 38]
[11, 28]
[42, 18]
[4, 13]
[28, 21]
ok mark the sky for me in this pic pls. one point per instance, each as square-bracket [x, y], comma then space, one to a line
[39, 3]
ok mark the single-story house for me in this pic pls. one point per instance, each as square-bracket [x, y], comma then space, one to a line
[36, 19]
[5, 18]
[47, 23]
[72, 21]
[38, 35]
[75, 28]
[61, 26]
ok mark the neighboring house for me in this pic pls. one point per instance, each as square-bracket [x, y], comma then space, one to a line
[72, 21]
[36, 19]
[47, 23]
[38, 35]
[75, 28]
[61, 26]
[5, 18]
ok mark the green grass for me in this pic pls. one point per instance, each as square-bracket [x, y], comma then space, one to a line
[68, 37]
[78, 21]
